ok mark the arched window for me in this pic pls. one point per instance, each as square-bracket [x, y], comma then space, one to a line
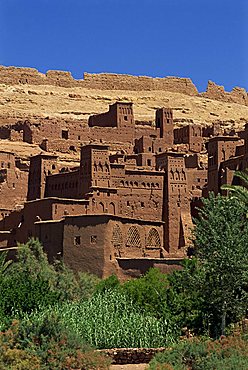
[101, 207]
[117, 239]
[111, 208]
[153, 239]
[106, 167]
[133, 237]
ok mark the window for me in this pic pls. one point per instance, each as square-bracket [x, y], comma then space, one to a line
[149, 162]
[133, 237]
[125, 118]
[142, 204]
[77, 240]
[153, 240]
[65, 134]
[117, 239]
[79, 138]
[93, 239]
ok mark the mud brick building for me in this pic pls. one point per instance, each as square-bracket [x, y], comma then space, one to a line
[127, 203]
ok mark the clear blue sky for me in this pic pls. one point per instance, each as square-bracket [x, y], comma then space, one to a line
[200, 39]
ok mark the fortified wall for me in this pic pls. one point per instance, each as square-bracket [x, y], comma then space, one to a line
[110, 81]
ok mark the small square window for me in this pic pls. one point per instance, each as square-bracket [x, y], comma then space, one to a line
[65, 134]
[77, 240]
[93, 239]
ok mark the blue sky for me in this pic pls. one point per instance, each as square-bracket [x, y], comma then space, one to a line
[200, 39]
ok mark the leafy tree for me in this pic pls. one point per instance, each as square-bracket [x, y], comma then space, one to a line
[184, 296]
[149, 292]
[220, 242]
[31, 282]
[239, 191]
[4, 264]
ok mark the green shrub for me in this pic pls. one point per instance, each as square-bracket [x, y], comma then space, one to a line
[46, 344]
[31, 282]
[107, 284]
[149, 292]
[228, 353]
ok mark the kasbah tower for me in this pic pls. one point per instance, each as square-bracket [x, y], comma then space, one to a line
[111, 193]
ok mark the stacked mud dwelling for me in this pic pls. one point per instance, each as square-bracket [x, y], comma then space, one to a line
[127, 203]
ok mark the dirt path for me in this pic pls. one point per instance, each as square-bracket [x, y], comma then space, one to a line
[129, 367]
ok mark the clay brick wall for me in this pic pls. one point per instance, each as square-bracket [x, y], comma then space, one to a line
[13, 182]
[63, 185]
[191, 135]
[237, 95]
[220, 149]
[50, 234]
[176, 206]
[96, 241]
[40, 166]
[111, 81]
[107, 81]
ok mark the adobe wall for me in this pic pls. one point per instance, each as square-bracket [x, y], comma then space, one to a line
[237, 95]
[102, 81]
[111, 81]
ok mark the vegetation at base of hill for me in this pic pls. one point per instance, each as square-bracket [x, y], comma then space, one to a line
[53, 306]
[227, 353]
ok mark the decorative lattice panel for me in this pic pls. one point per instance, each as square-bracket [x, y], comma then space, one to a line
[117, 237]
[153, 239]
[133, 237]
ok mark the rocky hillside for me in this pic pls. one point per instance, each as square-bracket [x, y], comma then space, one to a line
[27, 93]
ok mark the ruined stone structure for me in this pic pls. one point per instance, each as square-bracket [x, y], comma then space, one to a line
[127, 204]
[110, 81]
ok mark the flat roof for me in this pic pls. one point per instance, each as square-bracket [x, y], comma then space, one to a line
[224, 138]
[115, 217]
[59, 200]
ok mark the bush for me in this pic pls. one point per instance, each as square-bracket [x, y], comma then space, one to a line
[228, 353]
[149, 292]
[31, 283]
[46, 344]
